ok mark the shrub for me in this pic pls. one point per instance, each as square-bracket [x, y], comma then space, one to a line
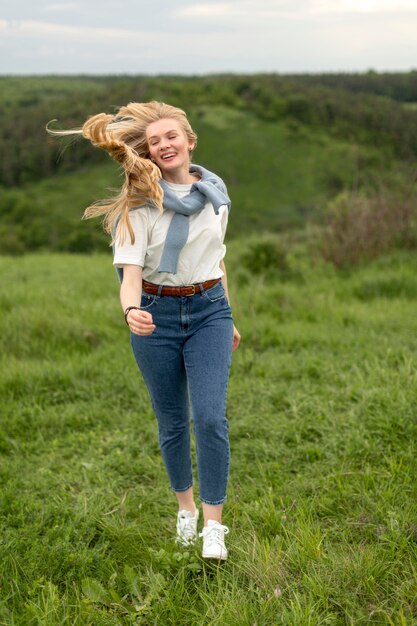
[265, 254]
[359, 228]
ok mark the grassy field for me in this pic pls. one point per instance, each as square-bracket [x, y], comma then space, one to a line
[322, 504]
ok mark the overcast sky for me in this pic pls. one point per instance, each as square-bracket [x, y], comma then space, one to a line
[185, 37]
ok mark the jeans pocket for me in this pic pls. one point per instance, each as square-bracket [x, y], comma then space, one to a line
[148, 300]
[215, 293]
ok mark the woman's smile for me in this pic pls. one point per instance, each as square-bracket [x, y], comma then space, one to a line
[169, 156]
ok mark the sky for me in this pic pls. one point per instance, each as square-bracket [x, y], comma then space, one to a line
[185, 37]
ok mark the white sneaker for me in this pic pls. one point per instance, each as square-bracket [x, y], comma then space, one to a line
[186, 527]
[213, 540]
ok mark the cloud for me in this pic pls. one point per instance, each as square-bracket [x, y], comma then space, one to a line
[123, 36]
[127, 14]
[207, 10]
[282, 8]
[244, 8]
[27, 28]
[362, 6]
[46, 47]
[62, 7]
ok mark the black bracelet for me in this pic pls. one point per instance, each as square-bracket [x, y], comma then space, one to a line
[129, 308]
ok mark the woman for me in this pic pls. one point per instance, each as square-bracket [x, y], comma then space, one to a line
[168, 225]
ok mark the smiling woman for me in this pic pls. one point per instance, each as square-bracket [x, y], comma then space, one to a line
[168, 225]
[124, 137]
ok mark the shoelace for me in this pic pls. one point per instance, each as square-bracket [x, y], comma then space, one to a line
[186, 528]
[214, 534]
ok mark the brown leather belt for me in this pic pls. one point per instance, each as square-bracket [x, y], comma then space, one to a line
[187, 290]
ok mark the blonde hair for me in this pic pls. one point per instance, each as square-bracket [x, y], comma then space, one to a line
[123, 136]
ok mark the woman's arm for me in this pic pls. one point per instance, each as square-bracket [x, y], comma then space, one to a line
[131, 287]
[140, 322]
[224, 279]
[236, 335]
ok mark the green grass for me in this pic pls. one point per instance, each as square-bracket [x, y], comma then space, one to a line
[322, 407]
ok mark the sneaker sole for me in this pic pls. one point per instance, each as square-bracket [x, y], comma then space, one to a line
[214, 558]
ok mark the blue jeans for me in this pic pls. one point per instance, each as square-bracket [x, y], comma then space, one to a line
[186, 360]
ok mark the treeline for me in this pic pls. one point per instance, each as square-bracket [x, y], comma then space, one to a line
[369, 108]
[401, 86]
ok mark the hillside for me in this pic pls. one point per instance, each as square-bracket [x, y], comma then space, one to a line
[322, 500]
[279, 173]
[322, 273]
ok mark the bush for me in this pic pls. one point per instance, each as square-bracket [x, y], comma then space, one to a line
[265, 254]
[359, 228]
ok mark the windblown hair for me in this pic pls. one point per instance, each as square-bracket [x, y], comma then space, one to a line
[123, 136]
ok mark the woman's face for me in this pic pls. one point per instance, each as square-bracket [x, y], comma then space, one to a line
[169, 146]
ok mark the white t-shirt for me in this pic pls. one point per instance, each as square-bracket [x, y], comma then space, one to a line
[198, 260]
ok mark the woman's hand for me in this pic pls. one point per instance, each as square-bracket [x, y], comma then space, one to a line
[236, 339]
[140, 322]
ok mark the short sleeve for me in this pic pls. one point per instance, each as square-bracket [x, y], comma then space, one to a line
[133, 254]
[224, 221]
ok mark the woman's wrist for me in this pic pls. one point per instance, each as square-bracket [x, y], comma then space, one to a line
[126, 312]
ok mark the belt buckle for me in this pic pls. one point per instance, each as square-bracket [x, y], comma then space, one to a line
[191, 294]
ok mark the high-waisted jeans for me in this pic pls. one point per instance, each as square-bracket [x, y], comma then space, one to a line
[186, 360]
